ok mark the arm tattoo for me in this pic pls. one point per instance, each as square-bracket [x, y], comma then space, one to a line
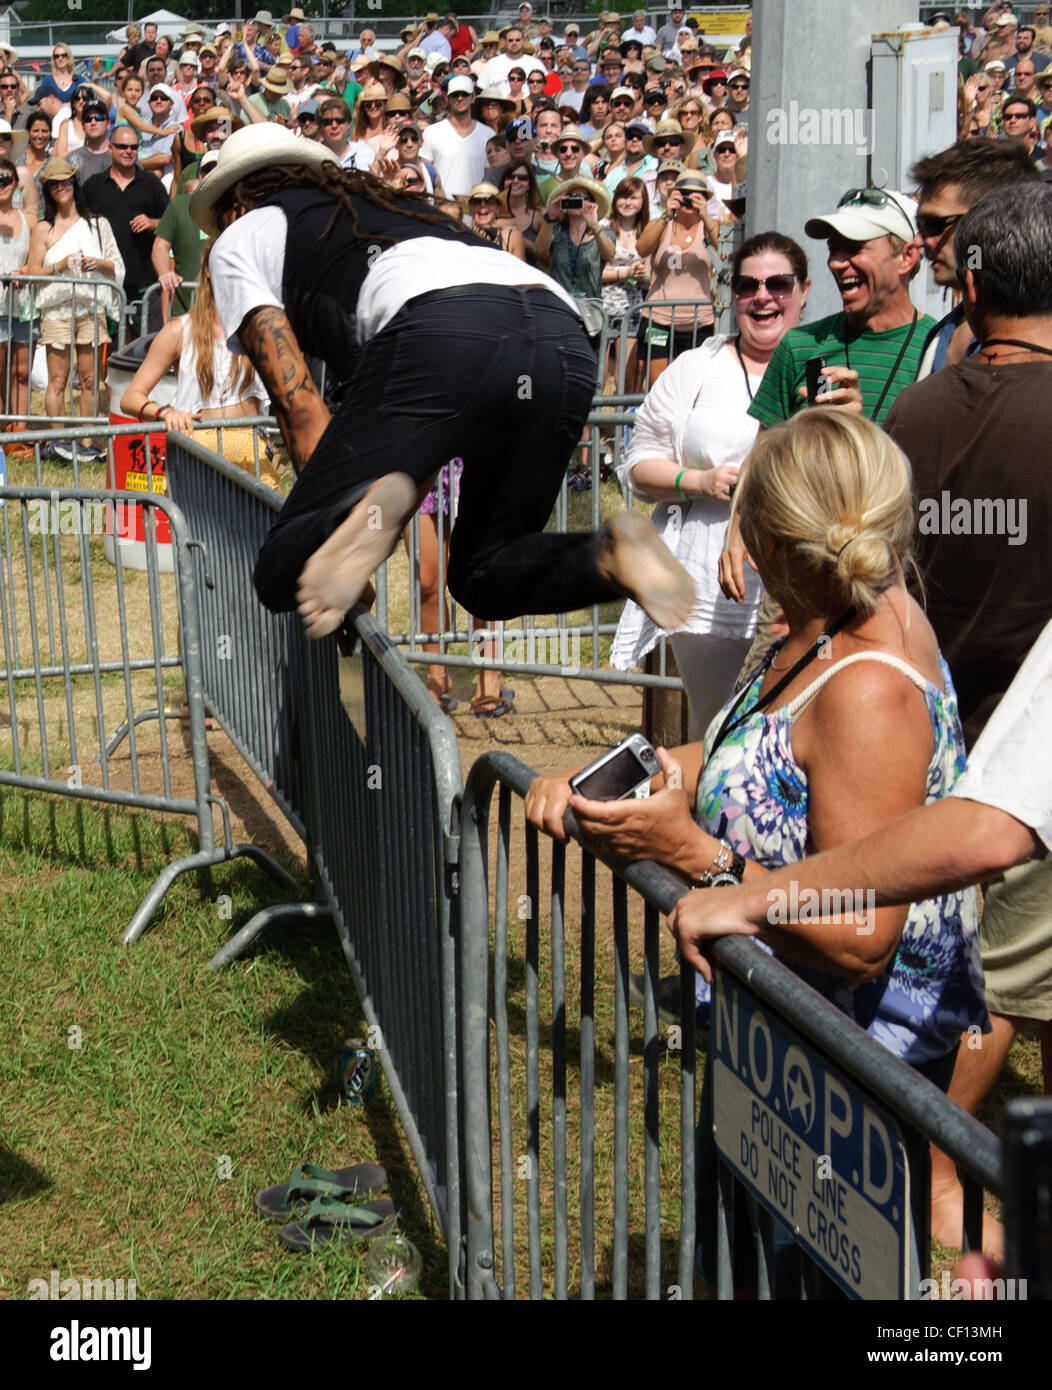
[269, 341]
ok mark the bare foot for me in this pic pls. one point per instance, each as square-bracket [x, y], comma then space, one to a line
[947, 1220]
[635, 560]
[336, 575]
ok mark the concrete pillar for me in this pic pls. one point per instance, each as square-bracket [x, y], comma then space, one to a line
[810, 71]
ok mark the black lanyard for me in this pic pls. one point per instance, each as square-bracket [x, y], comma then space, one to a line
[730, 723]
[894, 370]
[741, 363]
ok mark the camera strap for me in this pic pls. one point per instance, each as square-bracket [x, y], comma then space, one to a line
[731, 723]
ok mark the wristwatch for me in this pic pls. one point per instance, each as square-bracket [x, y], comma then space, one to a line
[730, 878]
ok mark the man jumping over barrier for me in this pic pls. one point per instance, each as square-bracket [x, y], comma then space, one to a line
[443, 346]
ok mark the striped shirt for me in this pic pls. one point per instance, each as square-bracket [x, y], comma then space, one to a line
[872, 355]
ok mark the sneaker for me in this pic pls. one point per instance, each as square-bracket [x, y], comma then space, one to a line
[57, 451]
[89, 453]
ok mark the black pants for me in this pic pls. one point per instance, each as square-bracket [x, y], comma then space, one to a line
[502, 378]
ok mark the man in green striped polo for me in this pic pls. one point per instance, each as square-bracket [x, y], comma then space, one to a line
[874, 345]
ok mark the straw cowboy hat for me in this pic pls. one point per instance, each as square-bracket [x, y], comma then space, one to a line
[485, 190]
[590, 187]
[258, 146]
[395, 65]
[295, 16]
[689, 137]
[492, 94]
[213, 115]
[372, 91]
[277, 82]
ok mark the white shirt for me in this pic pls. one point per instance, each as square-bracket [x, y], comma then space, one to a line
[1010, 766]
[248, 268]
[460, 160]
[359, 156]
[495, 72]
[696, 414]
[646, 36]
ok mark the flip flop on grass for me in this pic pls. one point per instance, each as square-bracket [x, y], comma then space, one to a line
[309, 1181]
[331, 1222]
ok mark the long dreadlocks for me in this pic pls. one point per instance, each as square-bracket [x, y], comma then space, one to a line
[340, 184]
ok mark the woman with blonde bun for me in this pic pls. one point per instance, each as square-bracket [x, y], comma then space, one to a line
[848, 723]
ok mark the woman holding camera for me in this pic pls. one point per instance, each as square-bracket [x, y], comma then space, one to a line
[681, 269]
[571, 243]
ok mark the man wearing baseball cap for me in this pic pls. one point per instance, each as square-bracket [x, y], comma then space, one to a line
[431, 339]
[874, 344]
[457, 145]
[871, 349]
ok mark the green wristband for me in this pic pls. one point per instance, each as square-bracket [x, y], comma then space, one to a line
[677, 486]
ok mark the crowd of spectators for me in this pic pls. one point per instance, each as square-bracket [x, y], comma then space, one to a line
[614, 159]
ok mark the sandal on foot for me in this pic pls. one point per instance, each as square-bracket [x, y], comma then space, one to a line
[489, 706]
[309, 1181]
[331, 1222]
[448, 703]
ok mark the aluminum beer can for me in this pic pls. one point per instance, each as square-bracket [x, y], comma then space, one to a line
[357, 1071]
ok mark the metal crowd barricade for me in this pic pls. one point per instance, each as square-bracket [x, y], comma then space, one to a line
[93, 651]
[151, 293]
[568, 645]
[15, 313]
[542, 1094]
[366, 769]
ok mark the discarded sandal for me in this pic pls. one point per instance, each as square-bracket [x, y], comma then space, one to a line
[309, 1181]
[331, 1222]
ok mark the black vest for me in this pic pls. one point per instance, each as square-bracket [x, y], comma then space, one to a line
[324, 269]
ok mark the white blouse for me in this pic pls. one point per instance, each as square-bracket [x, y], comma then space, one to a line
[696, 414]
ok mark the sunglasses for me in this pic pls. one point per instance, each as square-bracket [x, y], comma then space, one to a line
[745, 286]
[95, 116]
[518, 178]
[622, 101]
[374, 103]
[6, 180]
[930, 226]
[60, 183]
[125, 146]
[11, 86]
[874, 198]
[535, 78]
[739, 86]
[408, 137]
[334, 120]
[60, 54]
[665, 140]
[569, 147]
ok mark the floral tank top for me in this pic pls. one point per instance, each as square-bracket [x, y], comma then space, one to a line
[753, 794]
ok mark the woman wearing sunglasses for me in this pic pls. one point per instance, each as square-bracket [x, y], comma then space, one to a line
[525, 206]
[410, 139]
[485, 207]
[517, 89]
[979, 94]
[16, 327]
[370, 116]
[70, 242]
[691, 435]
[60, 82]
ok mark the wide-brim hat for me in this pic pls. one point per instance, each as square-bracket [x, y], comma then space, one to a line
[671, 166]
[690, 137]
[490, 36]
[484, 190]
[294, 16]
[57, 168]
[8, 52]
[398, 101]
[592, 187]
[211, 116]
[372, 91]
[571, 132]
[265, 18]
[277, 82]
[630, 43]
[492, 94]
[866, 222]
[192, 31]
[261, 145]
[395, 66]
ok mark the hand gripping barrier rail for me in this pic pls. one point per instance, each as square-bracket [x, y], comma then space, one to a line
[366, 768]
[554, 1099]
[93, 651]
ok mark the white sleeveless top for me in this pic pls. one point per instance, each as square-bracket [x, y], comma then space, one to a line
[188, 394]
